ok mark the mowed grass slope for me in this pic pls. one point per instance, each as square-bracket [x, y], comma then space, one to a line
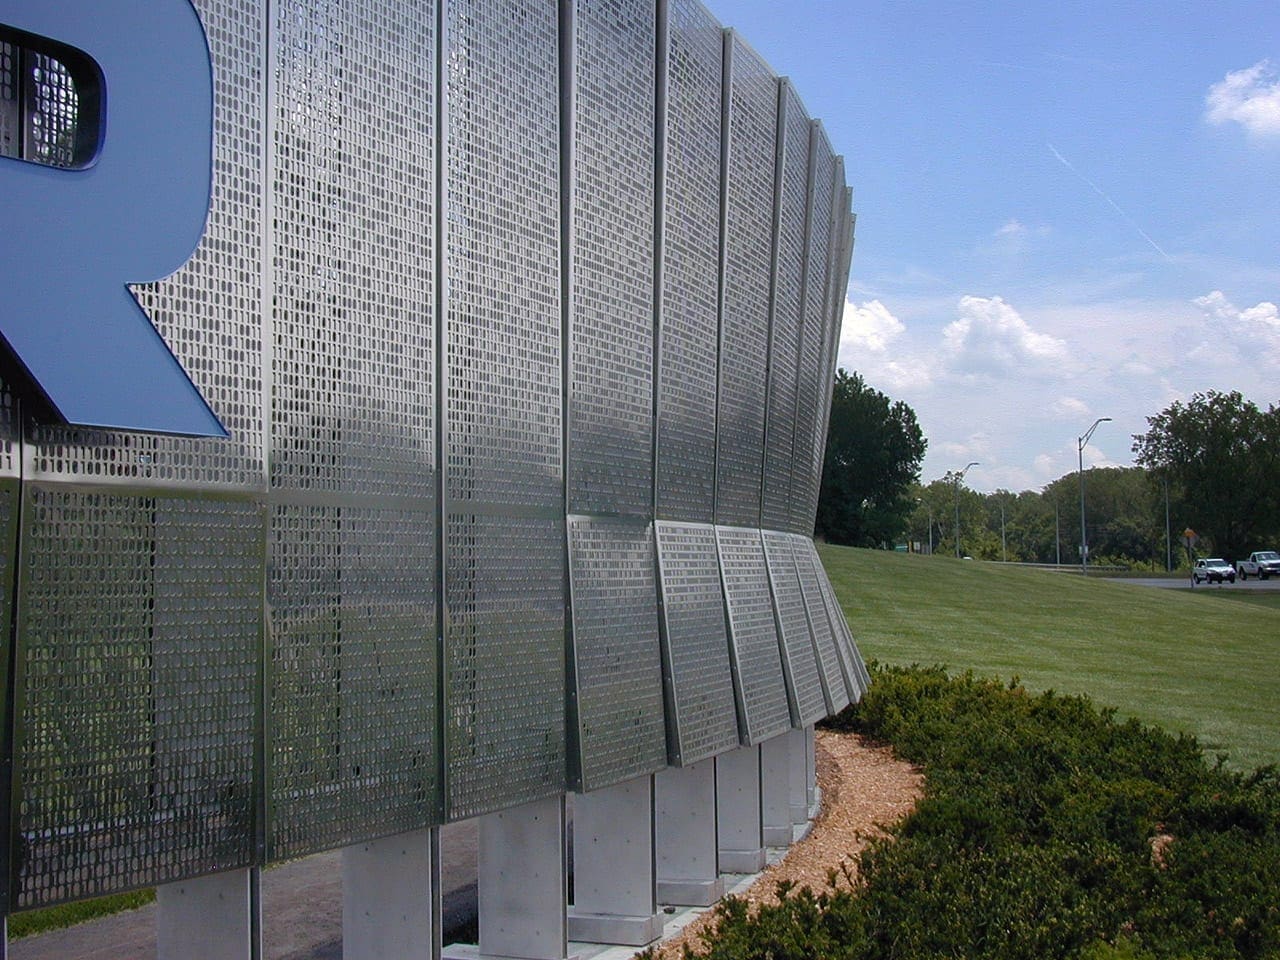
[1198, 662]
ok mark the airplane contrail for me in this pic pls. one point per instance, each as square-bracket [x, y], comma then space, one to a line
[1114, 206]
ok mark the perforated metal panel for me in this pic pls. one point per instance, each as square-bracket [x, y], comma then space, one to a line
[351, 678]
[351, 693]
[812, 384]
[10, 117]
[140, 599]
[787, 310]
[753, 635]
[617, 665]
[815, 608]
[10, 493]
[502, 338]
[137, 673]
[504, 662]
[744, 321]
[690, 262]
[799, 661]
[611, 335]
[851, 664]
[702, 719]
[504, 538]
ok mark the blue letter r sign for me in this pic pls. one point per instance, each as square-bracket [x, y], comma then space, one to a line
[123, 201]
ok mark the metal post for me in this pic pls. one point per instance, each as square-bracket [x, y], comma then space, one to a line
[1168, 538]
[957, 478]
[1081, 443]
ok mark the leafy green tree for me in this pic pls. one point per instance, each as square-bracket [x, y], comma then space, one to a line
[1220, 454]
[874, 450]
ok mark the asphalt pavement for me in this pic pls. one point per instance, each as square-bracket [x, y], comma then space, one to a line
[1183, 583]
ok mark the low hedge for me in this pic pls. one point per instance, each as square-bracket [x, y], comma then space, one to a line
[1048, 828]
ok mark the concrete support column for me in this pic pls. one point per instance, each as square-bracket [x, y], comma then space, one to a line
[775, 789]
[522, 885]
[215, 917]
[614, 868]
[811, 766]
[685, 835]
[389, 904]
[739, 829]
[798, 748]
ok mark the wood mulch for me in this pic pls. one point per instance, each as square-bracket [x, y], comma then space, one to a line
[865, 788]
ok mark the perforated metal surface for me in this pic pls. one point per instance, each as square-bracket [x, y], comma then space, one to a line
[351, 678]
[504, 662]
[353, 360]
[505, 568]
[851, 664]
[702, 718]
[137, 668]
[815, 607]
[810, 431]
[502, 351]
[787, 311]
[351, 693]
[799, 660]
[753, 635]
[43, 127]
[610, 402]
[621, 733]
[142, 569]
[10, 121]
[744, 323]
[690, 327]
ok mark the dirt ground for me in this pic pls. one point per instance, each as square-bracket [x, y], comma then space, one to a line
[865, 788]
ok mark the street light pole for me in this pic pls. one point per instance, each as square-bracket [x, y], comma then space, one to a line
[1081, 443]
[1004, 549]
[958, 477]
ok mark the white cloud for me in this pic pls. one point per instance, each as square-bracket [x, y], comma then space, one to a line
[991, 338]
[1011, 228]
[1070, 408]
[868, 326]
[1249, 97]
[1260, 320]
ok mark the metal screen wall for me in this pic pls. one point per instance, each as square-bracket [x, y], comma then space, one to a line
[503, 462]
[616, 713]
[516, 316]
[792, 199]
[351, 672]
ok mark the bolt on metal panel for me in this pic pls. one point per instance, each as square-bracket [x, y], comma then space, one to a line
[504, 536]
[754, 653]
[10, 102]
[688, 333]
[744, 314]
[799, 662]
[701, 713]
[609, 402]
[351, 685]
[824, 642]
[617, 665]
[787, 309]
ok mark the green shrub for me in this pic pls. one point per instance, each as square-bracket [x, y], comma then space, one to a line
[1048, 829]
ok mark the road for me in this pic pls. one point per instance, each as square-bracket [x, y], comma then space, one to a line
[1182, 583]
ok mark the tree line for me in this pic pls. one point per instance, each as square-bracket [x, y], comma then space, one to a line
[1211, 464]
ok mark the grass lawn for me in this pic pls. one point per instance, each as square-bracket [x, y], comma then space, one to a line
[1205, 661]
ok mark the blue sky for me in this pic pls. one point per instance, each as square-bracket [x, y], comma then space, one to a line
[1065, 211]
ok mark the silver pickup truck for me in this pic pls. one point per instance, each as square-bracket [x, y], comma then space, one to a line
[1261, 564]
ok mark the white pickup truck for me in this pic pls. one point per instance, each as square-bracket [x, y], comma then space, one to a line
[1261, 564]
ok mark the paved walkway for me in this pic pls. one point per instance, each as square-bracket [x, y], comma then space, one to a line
[301, 908]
